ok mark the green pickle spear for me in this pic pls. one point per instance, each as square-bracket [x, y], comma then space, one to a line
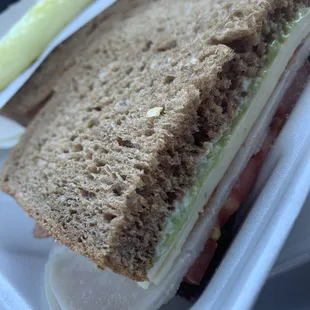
[29, 37]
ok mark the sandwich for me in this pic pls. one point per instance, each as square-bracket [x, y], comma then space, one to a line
[132, 161]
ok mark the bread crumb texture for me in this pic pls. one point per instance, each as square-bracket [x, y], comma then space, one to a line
[94, 169]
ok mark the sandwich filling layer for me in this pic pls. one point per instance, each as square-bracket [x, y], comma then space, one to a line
[213, 165]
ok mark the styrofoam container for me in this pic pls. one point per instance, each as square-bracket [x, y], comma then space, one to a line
[287, 287]
[276, 203]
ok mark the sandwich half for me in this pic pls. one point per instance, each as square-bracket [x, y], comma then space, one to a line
[120, 163]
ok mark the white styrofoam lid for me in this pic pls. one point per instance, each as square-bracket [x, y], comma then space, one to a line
[247, 263]
[296, 251]
[289, 288]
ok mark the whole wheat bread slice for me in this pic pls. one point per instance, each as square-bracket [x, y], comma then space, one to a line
[95, 168]
[41, 86]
